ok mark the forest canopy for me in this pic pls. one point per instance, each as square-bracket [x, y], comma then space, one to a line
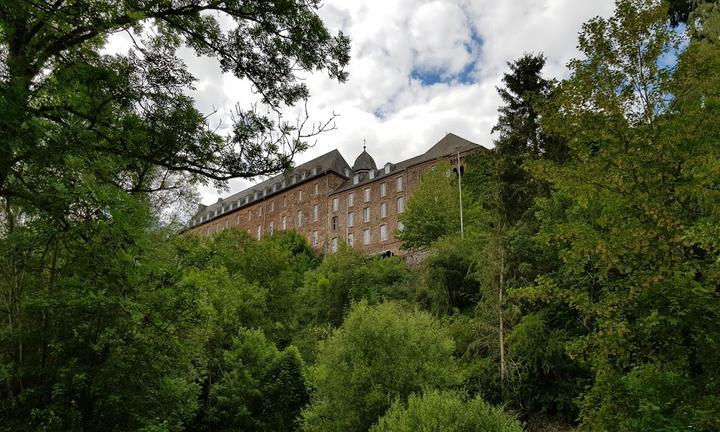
[581, 293]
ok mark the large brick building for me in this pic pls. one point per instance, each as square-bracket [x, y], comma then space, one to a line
[329, 201]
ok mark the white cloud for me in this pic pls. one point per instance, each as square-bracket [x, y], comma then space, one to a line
[461, 45]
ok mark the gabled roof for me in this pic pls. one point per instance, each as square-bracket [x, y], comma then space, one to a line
[448, 145]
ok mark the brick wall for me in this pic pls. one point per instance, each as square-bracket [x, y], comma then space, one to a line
[269, 214]
[411, 177]
[331, 224]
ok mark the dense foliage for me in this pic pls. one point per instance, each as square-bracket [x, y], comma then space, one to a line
[581, 293]
[447, 412]
[379, 354]
[634, 218]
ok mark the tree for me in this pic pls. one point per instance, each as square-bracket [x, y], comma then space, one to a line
[260, 388]
[521, 137]
[447, 283]
[380, 354]
[445, 411]
[96, 334]
[505, 255]
[345, 277]
[276, 265]
[126, 120]
[634, 217]
[680, 10]
[433, 211]
[107, 320]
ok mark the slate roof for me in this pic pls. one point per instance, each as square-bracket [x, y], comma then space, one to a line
[450, 144]
[329, 162]
[364, 162]
[332, 161]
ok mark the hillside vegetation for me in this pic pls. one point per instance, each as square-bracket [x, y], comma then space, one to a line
[583, 291]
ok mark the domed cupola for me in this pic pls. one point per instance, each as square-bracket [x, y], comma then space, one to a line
[364, 162]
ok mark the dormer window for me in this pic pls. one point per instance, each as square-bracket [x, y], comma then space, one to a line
[356, 179]
[347, 172]
[387, 168]
[302, 175]
[372, 174]
[314, 171]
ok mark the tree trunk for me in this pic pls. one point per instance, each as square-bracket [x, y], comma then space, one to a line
[503, 371]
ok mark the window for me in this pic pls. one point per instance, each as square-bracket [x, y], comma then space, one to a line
[351, 219]
[315, 238]
[387, 168]
[400, 226]
[371, 174]
[383, 190]
[356, 179]
[399, 184]
[335, 204]
[366, 214]
[260, 212]
[366, 195]
[284, 201]
[334, 223]
[383, 210]
[351, 199]
[237, 220]
[284, 223]
[383, 232]
[400, 205]
[299, 195]
[366, 236]
[317, 189]
[259, 232]
[249, 214]
[351, 239]
[272, 227]
[316, 211]
[272, 206]
[226, 222]
[299, 218]
[334, 244]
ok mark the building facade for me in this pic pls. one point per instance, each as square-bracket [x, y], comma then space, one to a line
[330, 202]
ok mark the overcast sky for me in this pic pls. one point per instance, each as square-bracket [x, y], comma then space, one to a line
[418, 69]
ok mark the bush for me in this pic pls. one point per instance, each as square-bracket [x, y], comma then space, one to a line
[446, 412]
[380, 354]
